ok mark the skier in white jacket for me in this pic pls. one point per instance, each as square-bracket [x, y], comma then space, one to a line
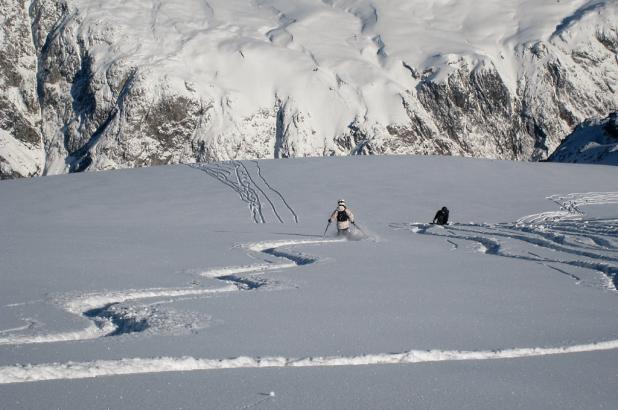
[344, 218]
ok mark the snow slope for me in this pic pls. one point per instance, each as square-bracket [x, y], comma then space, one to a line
[146, 82]
[593, 142]
[211, 286]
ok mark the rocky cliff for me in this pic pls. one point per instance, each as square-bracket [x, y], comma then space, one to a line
[593, 142]
[90, 85]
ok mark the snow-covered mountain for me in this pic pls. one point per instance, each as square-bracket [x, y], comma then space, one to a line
[86, 84]
[593, 142]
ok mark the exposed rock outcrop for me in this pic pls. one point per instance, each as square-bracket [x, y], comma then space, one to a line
[593, 142]
[21, 144]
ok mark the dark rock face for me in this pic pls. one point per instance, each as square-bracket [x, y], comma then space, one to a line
[611, 127]
[592, 142]
[64, 108]
[474, 101]
[21, 145]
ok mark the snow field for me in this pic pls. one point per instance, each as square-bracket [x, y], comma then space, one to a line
[258, 294]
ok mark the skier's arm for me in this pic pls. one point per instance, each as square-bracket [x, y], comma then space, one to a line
[332, 216]
[350, 215]
[435, 217]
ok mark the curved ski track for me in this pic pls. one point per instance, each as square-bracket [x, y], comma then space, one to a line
[565, 238]
[584, 244]
[111, 316]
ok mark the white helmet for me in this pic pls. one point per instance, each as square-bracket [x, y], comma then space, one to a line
[341, 202]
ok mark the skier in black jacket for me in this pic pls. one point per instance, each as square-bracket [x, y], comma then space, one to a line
[441, 217]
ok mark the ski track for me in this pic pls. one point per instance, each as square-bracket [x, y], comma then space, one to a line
[571, 239]
[30, 324]
[276, 192]
[84, 370]
[265, 203]
[229, 174]
[454, 245]
[565, 232]
[569, 206]
[110, 318]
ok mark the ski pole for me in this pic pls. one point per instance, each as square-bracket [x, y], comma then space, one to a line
[360, 229]
[327, 226]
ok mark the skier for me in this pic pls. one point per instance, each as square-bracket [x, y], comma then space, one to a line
[344, 217]
[441, 217]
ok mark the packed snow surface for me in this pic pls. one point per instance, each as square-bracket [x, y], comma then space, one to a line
[212, 286]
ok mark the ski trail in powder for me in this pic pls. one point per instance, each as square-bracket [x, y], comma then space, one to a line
[107, 320]
[561, 232]
[265, 202]
[22, 373]
[564, 238]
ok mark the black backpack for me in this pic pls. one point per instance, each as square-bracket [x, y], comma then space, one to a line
[342, 216]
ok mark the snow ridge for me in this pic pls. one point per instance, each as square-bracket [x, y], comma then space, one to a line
[83, 370]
